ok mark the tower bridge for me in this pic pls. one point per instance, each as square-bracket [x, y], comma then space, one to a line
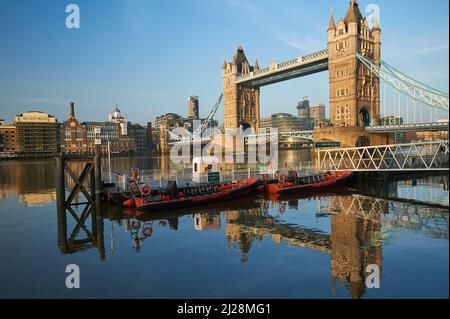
[357, 78]
[354, 90]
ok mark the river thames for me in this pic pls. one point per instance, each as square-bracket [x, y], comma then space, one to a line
[306, 246]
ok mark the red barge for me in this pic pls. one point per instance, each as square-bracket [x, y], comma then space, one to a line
[294, 184]
[145, 199]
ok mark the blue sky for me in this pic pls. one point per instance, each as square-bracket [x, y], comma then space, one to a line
[149, 56]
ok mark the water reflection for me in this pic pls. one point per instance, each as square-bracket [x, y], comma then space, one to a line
[359, 227]
[350, 229]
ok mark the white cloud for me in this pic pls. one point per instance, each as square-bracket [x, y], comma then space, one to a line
[307, 45]
[245, 5]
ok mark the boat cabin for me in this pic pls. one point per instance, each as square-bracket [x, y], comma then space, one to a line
[206, 170]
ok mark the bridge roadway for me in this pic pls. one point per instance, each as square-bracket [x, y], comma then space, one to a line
[278, 72]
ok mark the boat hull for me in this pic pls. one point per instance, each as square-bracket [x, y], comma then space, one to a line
[282, 189]
[244, 188]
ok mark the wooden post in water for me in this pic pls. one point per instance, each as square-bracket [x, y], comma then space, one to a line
[98, 175]
[60, 183]
[61, 204]
[92, 183]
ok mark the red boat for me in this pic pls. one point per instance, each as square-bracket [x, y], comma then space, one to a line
[294, 184]
[148, 200]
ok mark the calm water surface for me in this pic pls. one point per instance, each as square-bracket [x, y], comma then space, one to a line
[310, 246]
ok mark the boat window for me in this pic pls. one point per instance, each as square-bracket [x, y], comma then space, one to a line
[195, 167]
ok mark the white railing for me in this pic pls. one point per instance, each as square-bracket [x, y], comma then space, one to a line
[423, 156]
[157, 178]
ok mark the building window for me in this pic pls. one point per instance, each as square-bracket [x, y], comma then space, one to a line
[79, 134]
[67, 134]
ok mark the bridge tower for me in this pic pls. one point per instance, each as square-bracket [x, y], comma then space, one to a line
[354, 92]
[241, 103]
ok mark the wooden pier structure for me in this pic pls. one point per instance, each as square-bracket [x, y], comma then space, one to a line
[92, 171]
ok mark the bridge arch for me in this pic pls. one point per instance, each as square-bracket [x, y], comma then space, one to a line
[364, 117]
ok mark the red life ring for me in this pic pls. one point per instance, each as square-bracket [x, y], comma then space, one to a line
[282, 209]
[147, 231]
[146, 190]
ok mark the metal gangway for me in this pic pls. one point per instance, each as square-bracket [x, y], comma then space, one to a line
[419, 156]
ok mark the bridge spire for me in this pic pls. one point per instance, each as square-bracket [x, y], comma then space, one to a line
[353, 14]
[256, 65]
[332, 24]
[376, 24]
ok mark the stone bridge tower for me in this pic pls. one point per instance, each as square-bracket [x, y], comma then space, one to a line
[241, 104]
[354, 93]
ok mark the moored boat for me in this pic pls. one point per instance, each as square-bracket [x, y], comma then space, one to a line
[173, 197]
[294, 184]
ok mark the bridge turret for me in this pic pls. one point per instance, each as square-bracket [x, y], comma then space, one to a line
[241, 103]
[354, 94]
[331, 27]
[376, 34]
[256, 65]
[353, 17]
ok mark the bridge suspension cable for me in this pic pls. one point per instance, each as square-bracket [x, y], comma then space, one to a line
[407, 85]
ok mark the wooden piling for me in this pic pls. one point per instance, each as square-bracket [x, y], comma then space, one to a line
[98, 175]
[60, 204]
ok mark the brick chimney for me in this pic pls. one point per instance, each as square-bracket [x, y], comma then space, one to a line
[72, 109]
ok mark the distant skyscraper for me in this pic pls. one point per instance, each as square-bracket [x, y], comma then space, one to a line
[317, 112]
[303, 109]
[193, 107]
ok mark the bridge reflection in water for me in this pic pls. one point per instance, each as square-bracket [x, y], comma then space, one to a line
[359, 228]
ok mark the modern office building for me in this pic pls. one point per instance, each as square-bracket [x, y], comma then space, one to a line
[287, 123]
[193, 107]
[36, 134]
[109, 132]
[317, 112]
[140, 135]
[284, 122]
[171, 120]
[150, 144]
[303, 109]
[304, 114]
[265, 123]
